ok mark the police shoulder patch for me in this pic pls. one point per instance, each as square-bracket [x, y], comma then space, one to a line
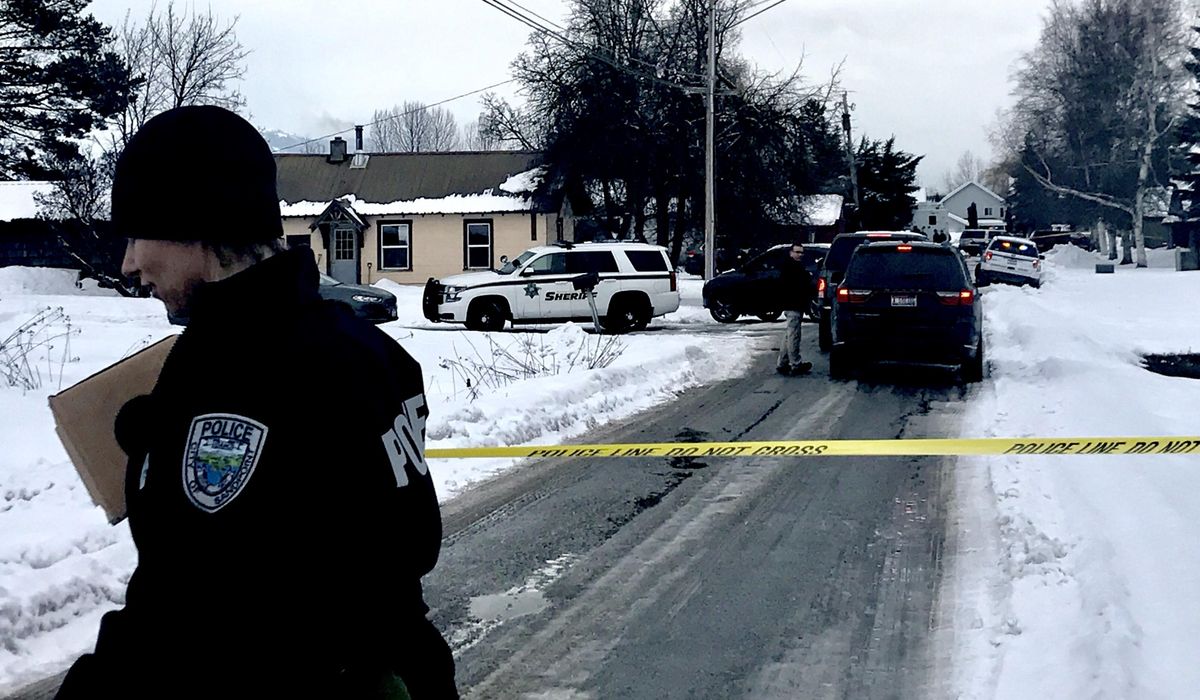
[222, 451]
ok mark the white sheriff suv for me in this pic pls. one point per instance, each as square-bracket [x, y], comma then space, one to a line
[1012, 260]
[633, 282]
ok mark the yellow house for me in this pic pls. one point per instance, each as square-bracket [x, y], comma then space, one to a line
[407, 217]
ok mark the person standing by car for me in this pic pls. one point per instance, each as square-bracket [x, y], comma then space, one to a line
[796, 286]
[282, 530]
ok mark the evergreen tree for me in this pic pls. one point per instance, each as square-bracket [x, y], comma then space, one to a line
[58, 81]
[886, 180]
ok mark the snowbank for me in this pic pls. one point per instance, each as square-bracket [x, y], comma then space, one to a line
[62, 566]
[1082, 580]
[16, 280]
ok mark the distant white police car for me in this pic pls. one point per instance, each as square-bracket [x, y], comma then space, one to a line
[632, 283]
[1010, 259]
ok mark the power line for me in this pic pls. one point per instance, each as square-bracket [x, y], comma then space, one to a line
[402, 114]
[533, 24]
[752, 16]
[547, 21]
[523, 19]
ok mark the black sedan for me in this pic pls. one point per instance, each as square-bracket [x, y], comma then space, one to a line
[907, 302]
[368, 303]
[754, 288]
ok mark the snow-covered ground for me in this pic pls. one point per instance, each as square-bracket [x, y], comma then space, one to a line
[1073, 576]
[1076, 577]
[62, 566]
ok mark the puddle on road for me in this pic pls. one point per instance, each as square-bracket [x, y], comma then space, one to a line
[487, 612]
[502, 607]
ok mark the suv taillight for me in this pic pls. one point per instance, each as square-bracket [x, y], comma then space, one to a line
[821, 286]
[987, 255]
[965, 297]
[853, 296]
[674, 284]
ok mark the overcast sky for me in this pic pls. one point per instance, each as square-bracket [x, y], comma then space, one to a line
[932, 72]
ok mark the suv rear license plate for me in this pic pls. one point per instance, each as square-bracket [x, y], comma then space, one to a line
[904, 300]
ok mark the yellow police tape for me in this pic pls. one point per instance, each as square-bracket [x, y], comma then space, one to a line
[848, 448]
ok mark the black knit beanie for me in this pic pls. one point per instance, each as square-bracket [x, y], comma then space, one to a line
[197, 174]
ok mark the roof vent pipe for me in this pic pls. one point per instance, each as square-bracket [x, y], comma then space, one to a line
[358, 139]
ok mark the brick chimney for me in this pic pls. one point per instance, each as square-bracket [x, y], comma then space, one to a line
[337, 150]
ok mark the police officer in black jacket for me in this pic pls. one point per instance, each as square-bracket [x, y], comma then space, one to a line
[277, 488]
[797, 291]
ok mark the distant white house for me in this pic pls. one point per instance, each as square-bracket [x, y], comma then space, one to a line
[950, 214]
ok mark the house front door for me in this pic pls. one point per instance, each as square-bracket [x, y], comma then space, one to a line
[343, 265]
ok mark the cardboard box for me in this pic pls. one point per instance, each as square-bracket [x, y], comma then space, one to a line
[84, 415]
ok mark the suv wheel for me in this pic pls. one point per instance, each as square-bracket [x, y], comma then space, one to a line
[769, 316]
[723, 312]
[626, 314]
[840, 363]
[824, 333]
[972, 367]
[486, 315]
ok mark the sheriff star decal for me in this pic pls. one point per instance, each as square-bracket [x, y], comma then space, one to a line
[222, 451]
[531, 290]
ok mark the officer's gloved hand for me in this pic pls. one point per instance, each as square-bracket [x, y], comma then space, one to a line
[134, 425]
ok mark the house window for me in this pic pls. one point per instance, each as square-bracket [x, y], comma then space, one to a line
[477, 245]
[395, 245]
[987, 211]
[297, 240]
[933, 219]
[343, 244]
[1001, 212]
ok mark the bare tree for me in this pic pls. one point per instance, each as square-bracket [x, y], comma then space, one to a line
[511, 126]
[413, 127]
[969, 167]
[200, 57]
[474, 138]
[75, 209]
[176, 58]
[1096, 99]
[182, 58]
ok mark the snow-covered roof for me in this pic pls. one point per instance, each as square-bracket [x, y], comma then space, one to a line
[418, 183]
[526, 182]
[16, 198]
[968, 183]
[454, 204]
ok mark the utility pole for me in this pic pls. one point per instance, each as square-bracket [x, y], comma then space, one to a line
[850, 153]
[710, 245]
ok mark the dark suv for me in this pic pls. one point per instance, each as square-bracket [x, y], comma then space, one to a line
[754, 287]
[972, 241]
[1046, 240]
[834, 268]
[907, 302]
